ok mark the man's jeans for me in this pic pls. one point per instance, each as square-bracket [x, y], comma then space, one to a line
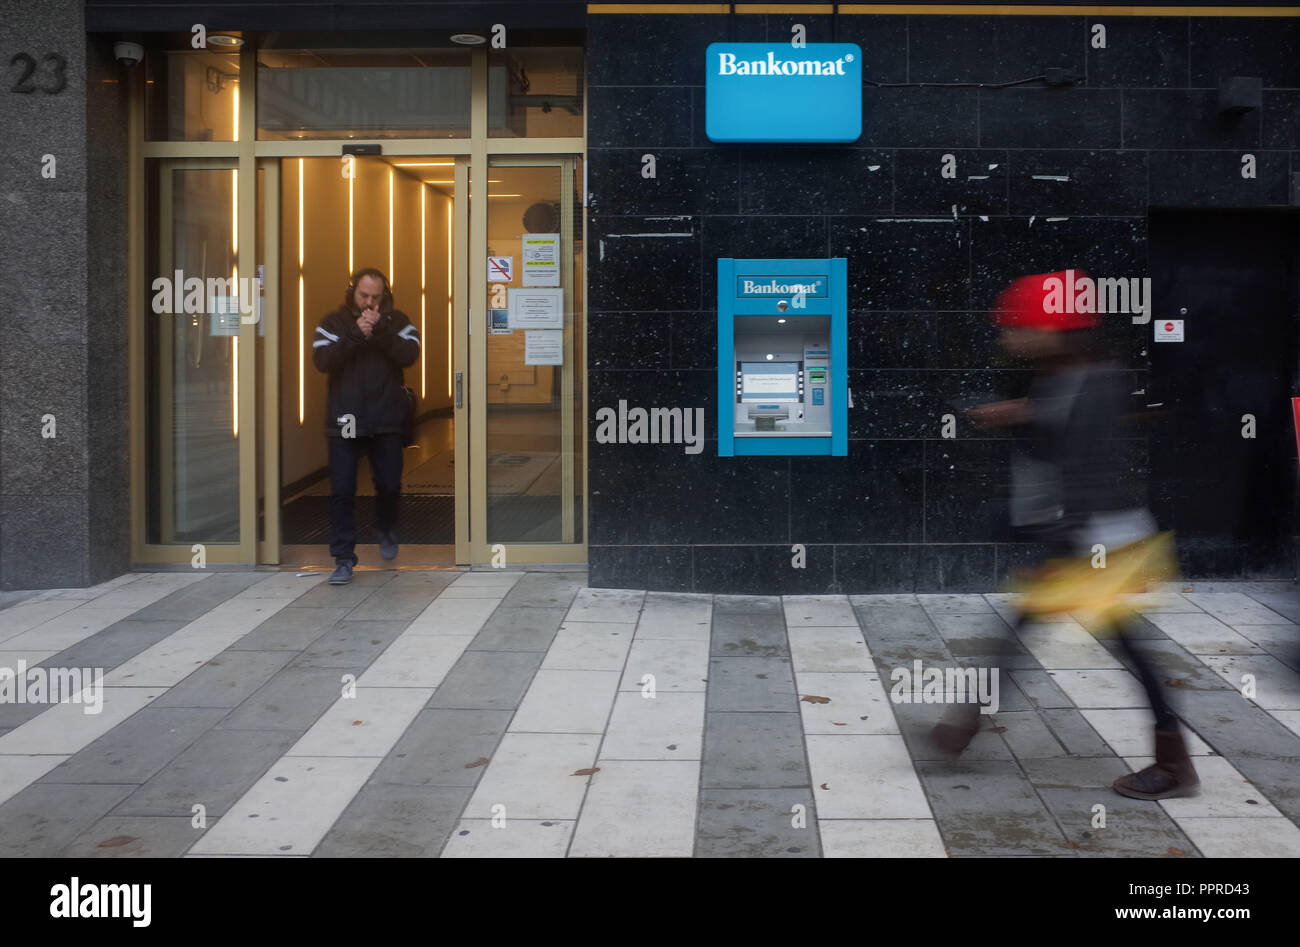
[385, 453]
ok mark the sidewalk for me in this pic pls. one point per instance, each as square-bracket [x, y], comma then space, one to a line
[522, 714]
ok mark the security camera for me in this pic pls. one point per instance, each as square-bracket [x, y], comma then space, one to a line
[128, 54]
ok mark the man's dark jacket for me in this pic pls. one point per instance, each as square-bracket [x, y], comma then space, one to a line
[365, 374]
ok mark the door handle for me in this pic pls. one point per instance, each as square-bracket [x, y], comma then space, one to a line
[460, 389]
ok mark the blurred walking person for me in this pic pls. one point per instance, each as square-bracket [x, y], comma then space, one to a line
[1073, 490]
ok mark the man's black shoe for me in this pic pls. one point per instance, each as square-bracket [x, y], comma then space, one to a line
[342, 574]
[387, 544]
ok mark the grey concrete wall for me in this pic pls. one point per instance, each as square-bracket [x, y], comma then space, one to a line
[62, 514]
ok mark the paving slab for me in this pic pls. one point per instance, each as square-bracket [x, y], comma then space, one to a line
[197, 599]
[567, 702]
[606, 605]
[349, 646]
[613, 822]
[454, 616]
[415, 661]
[749, 634]
[1028, 735]
[66, 729]
[64, 630]
[881, 838]
[753, 751]
[536, 776]
[509, 838]
[137, 748]
[589, 646]
[216, 770]
[349, 596]
[989, 808]
[294, 628]
[291, 700]
[42, 819]
[757, 823]
[1233, 608]
[487, 680]
[862, 777]
[855, 703]
[396, 604]
[1200, 633]
[674, 615]
[393, 821]
[915, 721]
[830, 650]
[290, 809]
[444, 748]
[898, 635]
[519, 629]
[367, 724]
[226, 680]
[1097, 773]
[667, 727]
[1040, 689]
[1075, 733]
[1276, 686]
[676, 665]
[543, 590]
[1243, 838]
[1132, 732]
[19, 772]
[117, 836]
[751, 684]
[116, 644]
[820, 611]
[747, 604]
[1132, 828]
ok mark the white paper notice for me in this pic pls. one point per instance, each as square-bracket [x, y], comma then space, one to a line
[536, 309]
[541, 253]
[544, 347]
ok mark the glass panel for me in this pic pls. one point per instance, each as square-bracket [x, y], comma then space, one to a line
[535, 93]
[193, 356]
[532, 427]
[341, 93]
[191, 95]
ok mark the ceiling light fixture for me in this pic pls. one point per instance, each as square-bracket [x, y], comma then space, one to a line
[225, 40]
[468, 39]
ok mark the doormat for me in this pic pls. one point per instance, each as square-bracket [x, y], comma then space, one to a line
[420, 519]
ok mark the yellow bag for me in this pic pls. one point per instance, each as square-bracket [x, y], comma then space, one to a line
[1074, 585]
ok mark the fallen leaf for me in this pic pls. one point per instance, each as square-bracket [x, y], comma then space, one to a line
[357, 723]
[481, 761]
[827, 788]
[864, 717]
[998, 729]
[587, 772]
[814, 699]
[834, 724]
[1176, 851]
[1188, 589]
[1173, 682]
[117, 840]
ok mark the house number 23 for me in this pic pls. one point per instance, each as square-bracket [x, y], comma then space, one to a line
[55, 81]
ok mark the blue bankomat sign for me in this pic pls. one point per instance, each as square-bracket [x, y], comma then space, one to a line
[775, 92]
[783, 357]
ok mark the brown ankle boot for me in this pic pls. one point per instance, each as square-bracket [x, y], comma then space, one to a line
[1169, 777]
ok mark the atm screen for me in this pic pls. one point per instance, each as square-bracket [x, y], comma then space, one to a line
[769, 381]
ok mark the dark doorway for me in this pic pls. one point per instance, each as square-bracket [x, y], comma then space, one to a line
[1231, 276]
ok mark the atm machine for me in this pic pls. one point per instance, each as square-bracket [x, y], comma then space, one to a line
[782, 357]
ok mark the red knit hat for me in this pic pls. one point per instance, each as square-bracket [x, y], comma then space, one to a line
[1024, 304]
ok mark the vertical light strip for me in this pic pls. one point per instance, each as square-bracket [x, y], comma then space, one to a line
[450, 253]
[391, 173]
[423, 188]
[234, 339]
[302, 344]
[351, 267]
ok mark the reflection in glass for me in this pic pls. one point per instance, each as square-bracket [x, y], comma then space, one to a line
[191, 95]
[193, 360]
[388, 93]
[535, 93]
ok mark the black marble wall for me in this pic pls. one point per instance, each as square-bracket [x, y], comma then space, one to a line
[906, 509]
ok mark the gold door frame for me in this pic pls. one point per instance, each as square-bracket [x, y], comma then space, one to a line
[261, 433]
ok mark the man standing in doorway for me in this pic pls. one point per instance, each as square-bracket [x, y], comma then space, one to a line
[363, 346]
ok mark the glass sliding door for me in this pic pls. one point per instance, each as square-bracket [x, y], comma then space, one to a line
[192, 354]
[529, 477]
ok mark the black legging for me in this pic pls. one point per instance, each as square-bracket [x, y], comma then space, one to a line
[1166, 719]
